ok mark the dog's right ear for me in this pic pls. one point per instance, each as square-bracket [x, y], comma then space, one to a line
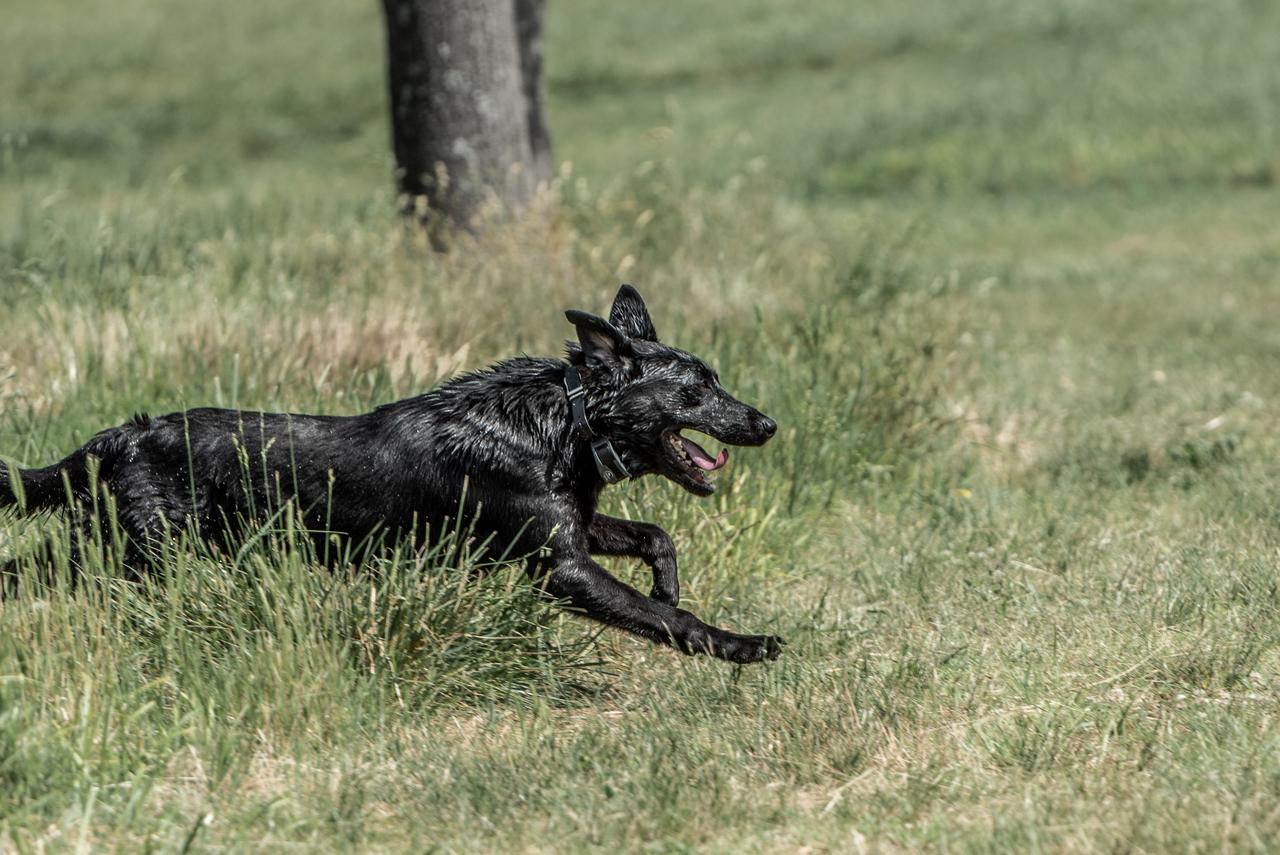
[602, 342]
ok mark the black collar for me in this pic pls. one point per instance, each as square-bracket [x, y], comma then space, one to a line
[609, 464]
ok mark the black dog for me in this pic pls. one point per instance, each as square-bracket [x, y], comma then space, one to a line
[521, 450]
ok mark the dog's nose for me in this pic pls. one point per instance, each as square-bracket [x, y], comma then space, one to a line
[769, 426]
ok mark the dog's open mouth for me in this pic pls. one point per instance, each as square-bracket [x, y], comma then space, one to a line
[692, 460]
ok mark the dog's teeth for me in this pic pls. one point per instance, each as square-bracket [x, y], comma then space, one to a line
[682, 455]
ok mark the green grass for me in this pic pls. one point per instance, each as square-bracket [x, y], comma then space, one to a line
[1004, 272]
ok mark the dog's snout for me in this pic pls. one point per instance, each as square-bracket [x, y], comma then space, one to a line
[768, 426]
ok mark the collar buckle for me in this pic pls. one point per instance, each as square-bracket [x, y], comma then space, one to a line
[608, 463]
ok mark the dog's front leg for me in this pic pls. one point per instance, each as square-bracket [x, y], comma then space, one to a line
[572, 575]
[646, 541]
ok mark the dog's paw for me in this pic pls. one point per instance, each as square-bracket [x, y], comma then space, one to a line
[745, 649]
[669, 595]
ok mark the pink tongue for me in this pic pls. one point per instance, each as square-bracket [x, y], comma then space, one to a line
[701, 458]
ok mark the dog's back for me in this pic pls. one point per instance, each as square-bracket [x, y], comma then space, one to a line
[479, 443]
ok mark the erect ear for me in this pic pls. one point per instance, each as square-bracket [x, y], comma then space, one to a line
[630, 315]
[601, 341]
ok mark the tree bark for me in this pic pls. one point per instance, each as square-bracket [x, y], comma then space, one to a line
[465, 85]
[529, 17]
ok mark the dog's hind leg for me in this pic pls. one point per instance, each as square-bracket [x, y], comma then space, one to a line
[646, 541]
[589, 588]
[100, 546]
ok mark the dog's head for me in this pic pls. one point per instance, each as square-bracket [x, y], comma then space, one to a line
[644, 393]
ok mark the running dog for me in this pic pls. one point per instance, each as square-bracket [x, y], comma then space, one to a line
[521, 451]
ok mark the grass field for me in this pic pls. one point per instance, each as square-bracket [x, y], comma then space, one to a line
[1008, 275]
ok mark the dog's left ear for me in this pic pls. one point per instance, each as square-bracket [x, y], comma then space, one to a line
[630, 315]
[602, 342]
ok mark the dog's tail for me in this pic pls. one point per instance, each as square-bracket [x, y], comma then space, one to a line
[41, 489]
[49, 487]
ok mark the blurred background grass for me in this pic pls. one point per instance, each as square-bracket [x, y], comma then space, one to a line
[1005, 273]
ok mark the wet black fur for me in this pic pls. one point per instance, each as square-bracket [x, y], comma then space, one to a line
[504, 433]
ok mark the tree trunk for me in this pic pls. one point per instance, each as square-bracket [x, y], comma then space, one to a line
[466, 104]
[529, 17]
